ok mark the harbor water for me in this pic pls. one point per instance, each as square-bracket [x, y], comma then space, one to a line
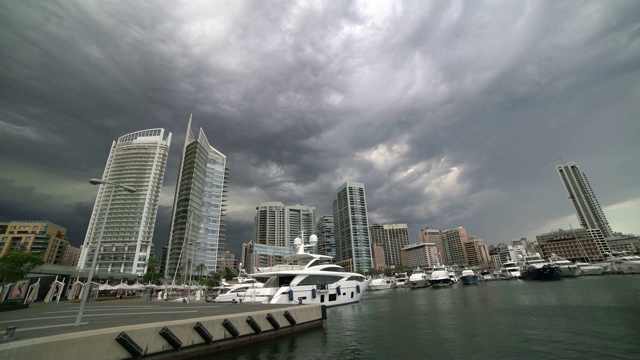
[591, 317]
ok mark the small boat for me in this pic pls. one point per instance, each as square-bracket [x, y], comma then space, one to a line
[468, 276]
[486, 275]
[402, 279]
[383, 283]
[452, 275]
[589, 269]
[440, 277]
[537, 268]
[418, 279]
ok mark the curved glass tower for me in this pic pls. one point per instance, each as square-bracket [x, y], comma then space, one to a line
[197, 222]
[138, 160]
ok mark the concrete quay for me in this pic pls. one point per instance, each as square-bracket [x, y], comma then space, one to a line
[125, 329]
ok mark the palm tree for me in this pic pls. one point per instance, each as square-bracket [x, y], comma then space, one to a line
[200, 268]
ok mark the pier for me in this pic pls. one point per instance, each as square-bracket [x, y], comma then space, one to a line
[125, 329]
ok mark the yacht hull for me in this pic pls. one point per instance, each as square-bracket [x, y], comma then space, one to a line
[546, 272]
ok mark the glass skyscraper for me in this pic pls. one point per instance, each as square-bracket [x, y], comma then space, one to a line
[197, 222]
[138, 160]
[584, 200]
[351, 226]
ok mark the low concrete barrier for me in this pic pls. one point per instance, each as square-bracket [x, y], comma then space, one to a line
[171, 339]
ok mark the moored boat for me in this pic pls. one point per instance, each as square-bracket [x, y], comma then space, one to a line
[536, 268]
[510, 270]
[418, 279]
[402, 279]
[440, 277]
[468, 276]
[307, 279]
[567, 268]
[382, 283]
[589, 269]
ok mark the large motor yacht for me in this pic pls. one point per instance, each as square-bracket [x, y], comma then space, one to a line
[567, 268]
[307, 279]
[418, 279]
[440, 277]
[589, 269]
[624, 262]
[536, 268]
[382, 283]
[510, 270]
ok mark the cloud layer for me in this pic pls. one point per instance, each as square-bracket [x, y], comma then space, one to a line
[449, 112]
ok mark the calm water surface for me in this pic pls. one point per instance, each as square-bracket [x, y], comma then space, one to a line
[579, 318]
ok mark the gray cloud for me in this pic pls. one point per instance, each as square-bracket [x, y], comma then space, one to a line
[446, 111]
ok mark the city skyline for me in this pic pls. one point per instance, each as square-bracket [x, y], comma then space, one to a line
[451, 114]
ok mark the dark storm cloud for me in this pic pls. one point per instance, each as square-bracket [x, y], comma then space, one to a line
[446, 111]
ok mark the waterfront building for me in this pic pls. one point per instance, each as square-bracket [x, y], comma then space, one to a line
[476, 252]
[629, 243]
[378, 256]
[574, 245]
[452, 240]
[42, 238]
[268, 224]
[352, 227]
[420, 255]
[137, 160]
[260, 255]
[298, 220]
[278, 225]
[71, 256]
[393, 238]
[326, 236]
[585, 203]
[197, 233]
[228, 260]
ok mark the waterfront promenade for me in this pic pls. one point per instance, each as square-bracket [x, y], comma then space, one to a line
[48, 331]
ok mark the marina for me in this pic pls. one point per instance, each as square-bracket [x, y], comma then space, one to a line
[588, 317]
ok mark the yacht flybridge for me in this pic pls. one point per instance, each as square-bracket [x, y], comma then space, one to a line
[307, 278]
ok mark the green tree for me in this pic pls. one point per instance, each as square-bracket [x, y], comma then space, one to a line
[17, 265]
[152, 274]
[200, 268]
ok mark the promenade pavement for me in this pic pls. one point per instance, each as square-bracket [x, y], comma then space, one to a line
[46, 319]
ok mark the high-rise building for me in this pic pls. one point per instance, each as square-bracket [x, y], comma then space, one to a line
[137, 160]
[198, 217]
[393, 238]
[422, 255]
[476, 252]
[42, 238]
[584, 200]
[452, 240]
[352, 226]
[326, 236]
[278, 225]
[268, 224]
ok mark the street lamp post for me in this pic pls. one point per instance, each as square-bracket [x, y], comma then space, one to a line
[85, 293]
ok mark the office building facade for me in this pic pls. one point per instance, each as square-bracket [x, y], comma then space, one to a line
[326, 236]
[42, 238]
[393, 238]
[137, 160]
[197, 234]
[583, 199]
[352, 227]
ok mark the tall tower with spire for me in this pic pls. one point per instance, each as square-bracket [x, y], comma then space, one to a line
[197, 223]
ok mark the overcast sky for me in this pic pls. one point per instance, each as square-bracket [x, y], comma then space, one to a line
[452, 113]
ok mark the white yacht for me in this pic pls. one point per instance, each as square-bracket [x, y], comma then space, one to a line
[567, 268]
[440, 277]
[589, 269]
[510, 270]
[236, 292]
[402, 279]
[626, 264]
[307, 279]
[418, 279]
[382, 283]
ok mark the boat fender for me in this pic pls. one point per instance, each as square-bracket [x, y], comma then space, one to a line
[290, 295]
[358, 289]
[313, 293]
[338, 290]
